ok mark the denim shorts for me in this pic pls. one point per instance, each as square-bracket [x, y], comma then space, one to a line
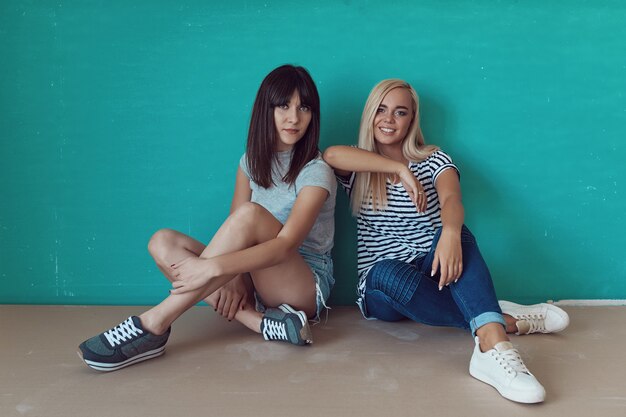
[321, 265]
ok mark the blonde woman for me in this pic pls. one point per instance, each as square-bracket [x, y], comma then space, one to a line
[416, 258]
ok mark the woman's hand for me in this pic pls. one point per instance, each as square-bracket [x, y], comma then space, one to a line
[191, 274]
[413, 187]
[448, 258]
[232, 296]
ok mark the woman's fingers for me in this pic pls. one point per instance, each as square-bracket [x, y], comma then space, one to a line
[174, 270]
[419, 199]
[225, 311]
[221, 301]
[179, 290]
[180, 287]
[455, 270]
[422, 201]
[234, 307]
[435, 266]
[443, 275]
[449, 272]
[412, 190]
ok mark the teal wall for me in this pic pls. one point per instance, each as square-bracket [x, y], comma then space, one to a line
[120, 118]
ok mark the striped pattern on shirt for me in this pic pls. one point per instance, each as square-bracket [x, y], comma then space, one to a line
[399, 231]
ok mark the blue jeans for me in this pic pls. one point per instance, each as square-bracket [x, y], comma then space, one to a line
[395, 290]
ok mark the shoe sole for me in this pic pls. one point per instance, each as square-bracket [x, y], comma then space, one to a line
[108, 367]
[508, 305]
[512, 396]
[305, 331]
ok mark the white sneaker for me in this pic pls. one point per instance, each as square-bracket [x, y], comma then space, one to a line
[503, 368]
[536, 318]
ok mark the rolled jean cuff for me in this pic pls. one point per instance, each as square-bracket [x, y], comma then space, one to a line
[484, 318]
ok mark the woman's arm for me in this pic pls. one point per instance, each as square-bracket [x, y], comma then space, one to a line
[263, 255]
[448, 255]
[301, 219]
[347, 159]
[243, 192]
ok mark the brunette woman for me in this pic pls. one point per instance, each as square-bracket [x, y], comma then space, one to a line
[269, 265]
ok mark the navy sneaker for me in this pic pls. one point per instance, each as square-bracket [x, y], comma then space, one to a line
[287, 325]
[124, 345]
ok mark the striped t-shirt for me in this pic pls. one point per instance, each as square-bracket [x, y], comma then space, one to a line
[398, 231]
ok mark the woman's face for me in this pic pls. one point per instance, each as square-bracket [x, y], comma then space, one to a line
[291, 120]
[393, 117]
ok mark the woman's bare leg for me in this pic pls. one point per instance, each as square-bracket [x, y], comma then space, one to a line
[291, 282]
[168, 247]
[510, 323]
[490, 335]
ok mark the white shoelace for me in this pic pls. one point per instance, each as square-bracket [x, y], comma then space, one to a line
[510, 360]
[274, 330]
[537, 322]
[122, 332]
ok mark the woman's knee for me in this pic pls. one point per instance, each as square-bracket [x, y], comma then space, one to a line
[253, 218]
[160, 241]
[396, 279]
[249, 212]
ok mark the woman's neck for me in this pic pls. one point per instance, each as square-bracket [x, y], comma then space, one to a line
[392, 152]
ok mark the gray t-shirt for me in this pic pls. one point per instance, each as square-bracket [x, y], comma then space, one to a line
[279, 198]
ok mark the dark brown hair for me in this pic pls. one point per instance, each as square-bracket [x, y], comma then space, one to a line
[276, 90]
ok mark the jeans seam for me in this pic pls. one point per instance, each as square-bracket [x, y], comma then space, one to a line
[401, 288]
[463, 306]
[408, 285]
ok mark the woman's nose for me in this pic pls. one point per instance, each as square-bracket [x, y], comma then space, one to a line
[292, 114]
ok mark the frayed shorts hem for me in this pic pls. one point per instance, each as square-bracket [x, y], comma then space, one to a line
[321, 265]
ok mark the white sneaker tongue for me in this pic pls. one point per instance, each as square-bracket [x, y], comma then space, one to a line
[503, 346]
[523, 327]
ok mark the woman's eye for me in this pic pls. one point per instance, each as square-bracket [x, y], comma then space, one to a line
[305, 109]
[283, 106]
[380, 110]
[400, 113]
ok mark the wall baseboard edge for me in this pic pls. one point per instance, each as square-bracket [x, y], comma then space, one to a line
[588, 303]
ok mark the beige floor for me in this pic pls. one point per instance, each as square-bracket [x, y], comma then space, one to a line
[355, 368]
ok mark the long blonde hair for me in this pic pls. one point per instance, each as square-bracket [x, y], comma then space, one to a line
[414, 149]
